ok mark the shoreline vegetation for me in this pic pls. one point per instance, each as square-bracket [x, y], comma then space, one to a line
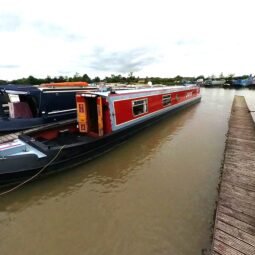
[129, 79]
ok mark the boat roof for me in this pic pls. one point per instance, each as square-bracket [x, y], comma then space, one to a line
[33, 90]
[167, 89]
[19, 89]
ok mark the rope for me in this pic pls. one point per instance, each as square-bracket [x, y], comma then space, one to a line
[34, 176]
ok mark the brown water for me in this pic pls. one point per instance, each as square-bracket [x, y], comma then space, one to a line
[154, 194]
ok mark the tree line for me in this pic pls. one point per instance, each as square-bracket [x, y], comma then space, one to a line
[130, 78]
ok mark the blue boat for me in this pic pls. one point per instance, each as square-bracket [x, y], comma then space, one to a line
[23, 106]
[240, 82]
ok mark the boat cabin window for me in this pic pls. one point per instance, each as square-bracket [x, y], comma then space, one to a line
[140, 106]
[189, 94]
[32, 104]
[4, 108]
[18, 106]
[166, 100]
[59, 101]
[14, 98]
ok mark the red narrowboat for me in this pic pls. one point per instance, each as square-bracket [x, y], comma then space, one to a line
[104, 119]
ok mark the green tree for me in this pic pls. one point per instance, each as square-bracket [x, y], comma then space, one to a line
[86, 78]
[96, 79]
[2, 82]
[48, 79]
[131, 78]
[32, 80]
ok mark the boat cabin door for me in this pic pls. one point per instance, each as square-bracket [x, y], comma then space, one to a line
[90, 114]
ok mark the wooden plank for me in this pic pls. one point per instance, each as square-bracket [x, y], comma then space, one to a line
[246, 166]
[234, 205]
[214, 253]
[9, 137]
[238, 179]
[242, 149]
[235, 232]
[240, 143]
[234, 242]
[231, 215]
[241, 169]
[232, 154]
[247, 205]
[239, 123]
[238, 133]
[241, 202]
[239, 115]
[236, 222]
[239, 193]
[236, 140]
[229, 187]
[223, 249]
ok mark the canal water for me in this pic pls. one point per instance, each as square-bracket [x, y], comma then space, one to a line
[154, 194]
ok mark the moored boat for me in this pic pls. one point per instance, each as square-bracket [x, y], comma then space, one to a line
[23, 107]
[241, 82]
[105, 119]
[212, 83]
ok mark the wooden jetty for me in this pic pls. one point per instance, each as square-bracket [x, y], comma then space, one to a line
[234, 229]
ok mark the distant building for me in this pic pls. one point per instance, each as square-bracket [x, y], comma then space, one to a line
[200, 81]
[141, 81]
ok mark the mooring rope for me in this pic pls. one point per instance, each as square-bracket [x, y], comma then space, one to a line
[34, 176]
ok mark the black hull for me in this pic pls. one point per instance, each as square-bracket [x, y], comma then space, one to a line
[18, 169]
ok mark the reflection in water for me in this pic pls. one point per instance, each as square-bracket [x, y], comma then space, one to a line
[155, 194]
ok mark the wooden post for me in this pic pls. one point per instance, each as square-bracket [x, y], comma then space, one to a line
[100, 116]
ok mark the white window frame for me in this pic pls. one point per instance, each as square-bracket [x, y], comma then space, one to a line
[189, 94]
[165, 98]
[144, 103]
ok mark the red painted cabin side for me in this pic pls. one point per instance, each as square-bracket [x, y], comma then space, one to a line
[124, 109]
[100, 113]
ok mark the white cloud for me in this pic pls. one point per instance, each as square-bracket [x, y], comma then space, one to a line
[186, 37]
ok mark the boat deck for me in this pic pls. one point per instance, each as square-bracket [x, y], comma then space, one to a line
[4, 138]
[234, 229]
[9, 137]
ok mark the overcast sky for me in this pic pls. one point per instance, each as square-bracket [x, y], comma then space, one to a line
[104, 37]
